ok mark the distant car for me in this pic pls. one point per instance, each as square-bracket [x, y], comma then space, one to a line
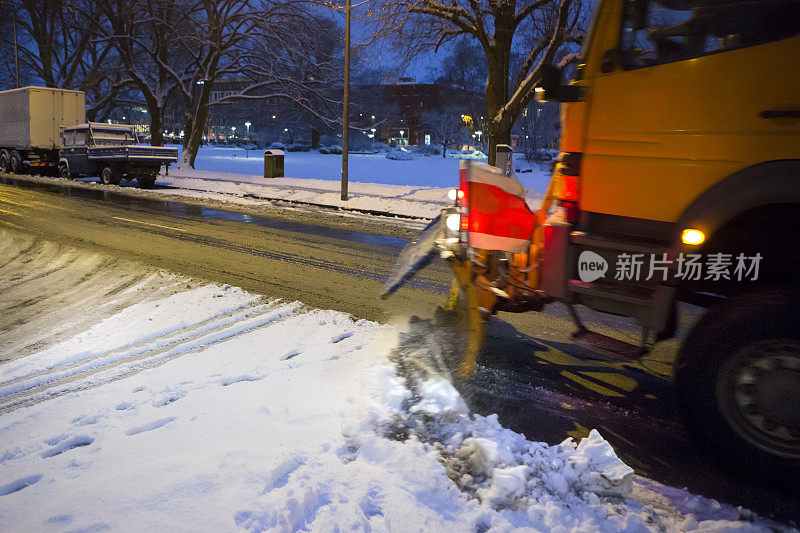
[112, 152]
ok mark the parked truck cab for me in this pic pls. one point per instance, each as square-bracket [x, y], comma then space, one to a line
[111, 151]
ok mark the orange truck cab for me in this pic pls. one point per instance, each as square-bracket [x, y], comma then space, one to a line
[678, 184]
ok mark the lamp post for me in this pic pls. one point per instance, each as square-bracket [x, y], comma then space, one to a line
[247, 140]
[401, 137]
[346, 106]
[233, 132]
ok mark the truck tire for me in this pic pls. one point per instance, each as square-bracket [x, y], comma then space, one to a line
[5, 161]
[16, 162]
[146, 182]
[738, 383]
[63, 172]
[109, 177]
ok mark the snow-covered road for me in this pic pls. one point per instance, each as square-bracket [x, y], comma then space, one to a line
[203, 407]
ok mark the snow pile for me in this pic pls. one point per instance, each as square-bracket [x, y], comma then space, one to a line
[217, 410]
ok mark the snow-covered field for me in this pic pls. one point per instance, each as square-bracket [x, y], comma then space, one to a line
[420, 171]
[211, 409]
[413, 188]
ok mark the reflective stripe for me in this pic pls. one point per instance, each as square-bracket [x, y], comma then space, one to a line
[495, 242]
[483, 173]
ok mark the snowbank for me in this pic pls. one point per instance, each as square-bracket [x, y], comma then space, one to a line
[213, 409]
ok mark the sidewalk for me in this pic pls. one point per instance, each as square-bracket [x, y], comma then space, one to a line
[403, 200]
[398, 200]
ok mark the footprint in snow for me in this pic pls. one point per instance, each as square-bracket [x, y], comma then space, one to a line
[341, 337]
[124, 406]
[173, 396]
[149, 426]
[372, 503]
[19, 484]
[230, 380]
[60, 520]
[67, 445]
[87, 420]
[279, 477]
[290, 354]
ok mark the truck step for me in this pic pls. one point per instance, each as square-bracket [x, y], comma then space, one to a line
[607, 345]
[639, 296]
[617, 244]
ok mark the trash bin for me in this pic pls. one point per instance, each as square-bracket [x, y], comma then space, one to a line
[273, 164]
[505, 159]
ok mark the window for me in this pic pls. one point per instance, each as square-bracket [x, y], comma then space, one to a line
[662, 31]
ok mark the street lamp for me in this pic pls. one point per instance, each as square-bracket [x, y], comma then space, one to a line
[373, 135]
[401, 137]
[247, 140]
[346, 105]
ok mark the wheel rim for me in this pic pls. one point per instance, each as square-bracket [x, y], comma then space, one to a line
[758, 390]
[64, 172]
[15, 163]
[105, 176]
[4, 162]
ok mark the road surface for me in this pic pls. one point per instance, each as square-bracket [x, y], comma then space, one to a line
[539, 383]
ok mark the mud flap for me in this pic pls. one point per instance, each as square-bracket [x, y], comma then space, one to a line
[414, 256]
[477, 308]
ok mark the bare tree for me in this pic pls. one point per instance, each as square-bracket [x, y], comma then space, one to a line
[446, 126]
[56, 45]
[534, 29]
[272, 46]
[142, 32]
[537, 128]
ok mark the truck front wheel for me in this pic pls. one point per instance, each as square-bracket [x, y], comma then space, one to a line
[63, 171]
[738, 383]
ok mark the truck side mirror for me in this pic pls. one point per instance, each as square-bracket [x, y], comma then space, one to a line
[552, 90]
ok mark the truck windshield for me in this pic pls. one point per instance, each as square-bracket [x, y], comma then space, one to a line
[661, 31]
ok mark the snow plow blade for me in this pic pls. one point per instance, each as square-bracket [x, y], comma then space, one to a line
[414, 256]
[474, 307]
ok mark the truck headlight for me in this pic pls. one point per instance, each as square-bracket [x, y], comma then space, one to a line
[453, 222]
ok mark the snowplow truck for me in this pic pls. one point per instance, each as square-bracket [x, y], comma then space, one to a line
[678, 183]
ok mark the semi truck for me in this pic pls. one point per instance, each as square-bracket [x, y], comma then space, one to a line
[677, 184]
[45, 129]
[31, 119]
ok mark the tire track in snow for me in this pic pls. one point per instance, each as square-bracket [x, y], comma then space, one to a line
[118, 367]
[145, 344]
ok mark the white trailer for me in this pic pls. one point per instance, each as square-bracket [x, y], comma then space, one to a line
[31, 120]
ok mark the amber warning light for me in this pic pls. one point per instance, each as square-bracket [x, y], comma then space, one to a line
[692, 236]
